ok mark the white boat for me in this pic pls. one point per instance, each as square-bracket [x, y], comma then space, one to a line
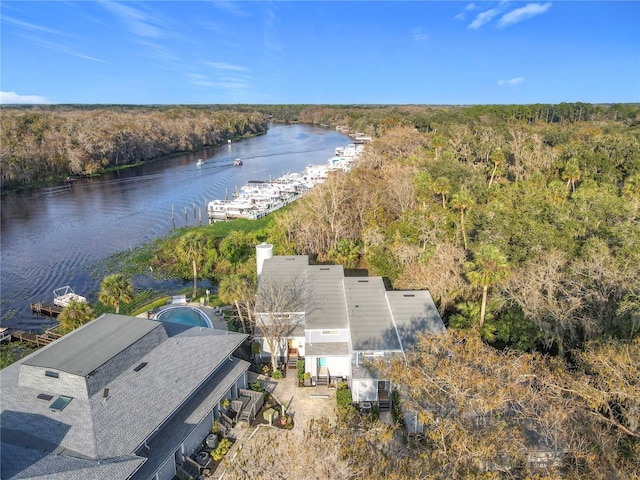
[258, 198]
[199, 163]
[63, 296]
[5, 334]
[237, 162]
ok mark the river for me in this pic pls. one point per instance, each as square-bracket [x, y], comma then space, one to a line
[55, 236]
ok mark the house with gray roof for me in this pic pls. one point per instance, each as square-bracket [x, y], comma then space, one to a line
[118, 398]
[344, 323]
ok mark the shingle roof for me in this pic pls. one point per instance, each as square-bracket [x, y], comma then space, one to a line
[327, 349]
[370, 320]
[414, 312]
[91, 345]
[138, 402]
[328, 307]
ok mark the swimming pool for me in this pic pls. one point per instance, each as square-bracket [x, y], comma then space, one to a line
[191, 316]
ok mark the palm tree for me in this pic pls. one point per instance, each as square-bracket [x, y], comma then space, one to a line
[498, 158]
[467, 317]
[115, 289]
[489, 267]
[75, 315]
[239, 290]
[571, 173]
[190, 248]
[462, 201]
[441, 186]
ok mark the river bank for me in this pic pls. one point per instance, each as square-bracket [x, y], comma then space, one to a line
[64, 178]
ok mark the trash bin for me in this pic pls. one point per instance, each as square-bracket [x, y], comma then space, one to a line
[366, 407]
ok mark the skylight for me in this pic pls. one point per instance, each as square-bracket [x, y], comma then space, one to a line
[60, 403]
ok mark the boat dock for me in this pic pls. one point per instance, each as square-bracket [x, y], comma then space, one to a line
[38, 339]
[259, 198]
[41, 308]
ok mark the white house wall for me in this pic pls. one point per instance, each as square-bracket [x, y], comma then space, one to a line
[338, 366]
[364, 390]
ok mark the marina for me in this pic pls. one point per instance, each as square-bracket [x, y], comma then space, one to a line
[258, 198]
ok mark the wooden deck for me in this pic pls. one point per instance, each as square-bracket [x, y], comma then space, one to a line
[41, 308]
[37, 339]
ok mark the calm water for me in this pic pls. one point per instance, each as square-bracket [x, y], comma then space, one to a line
[56, 235]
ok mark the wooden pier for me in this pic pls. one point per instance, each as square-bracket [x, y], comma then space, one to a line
[41, 308]
[38, 339]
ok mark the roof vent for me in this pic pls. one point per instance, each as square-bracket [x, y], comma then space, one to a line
[363, 281]
[141, 366]
[408, 295]
[105, 393]
[44, 396]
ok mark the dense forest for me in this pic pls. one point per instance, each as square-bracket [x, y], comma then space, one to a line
[523, 223]
[50, 142]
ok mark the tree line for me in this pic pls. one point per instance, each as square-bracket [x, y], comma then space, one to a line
[46, 143]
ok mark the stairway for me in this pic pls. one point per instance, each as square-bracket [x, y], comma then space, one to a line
[384, 400]
[323, 377]
[292, 357]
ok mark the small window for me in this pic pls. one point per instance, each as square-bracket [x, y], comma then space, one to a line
[60, 403]
[140, 367]
[51, 374]
[330, 332]
[44, 396]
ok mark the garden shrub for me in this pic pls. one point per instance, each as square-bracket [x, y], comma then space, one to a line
[343, 398]
[221, 450]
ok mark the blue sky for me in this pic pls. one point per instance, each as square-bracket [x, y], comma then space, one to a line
[401, 52]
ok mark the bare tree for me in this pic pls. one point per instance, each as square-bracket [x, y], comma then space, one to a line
[280, 307]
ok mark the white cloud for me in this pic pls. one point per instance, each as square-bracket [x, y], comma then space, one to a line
[225, 66]
[512, 82]
[462, 14]
[230, 7]
[30, 26]
[418, 35]
[14, 98]
[138, 22]
[530, 10]
[483, 18]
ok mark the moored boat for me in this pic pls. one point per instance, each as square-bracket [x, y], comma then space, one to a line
[199, 163]
[237, 162]
[63, 296]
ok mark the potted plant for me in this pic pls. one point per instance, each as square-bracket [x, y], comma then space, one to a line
[307, 379]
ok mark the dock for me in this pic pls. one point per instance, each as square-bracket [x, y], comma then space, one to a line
[41, 308]
[38, 339]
